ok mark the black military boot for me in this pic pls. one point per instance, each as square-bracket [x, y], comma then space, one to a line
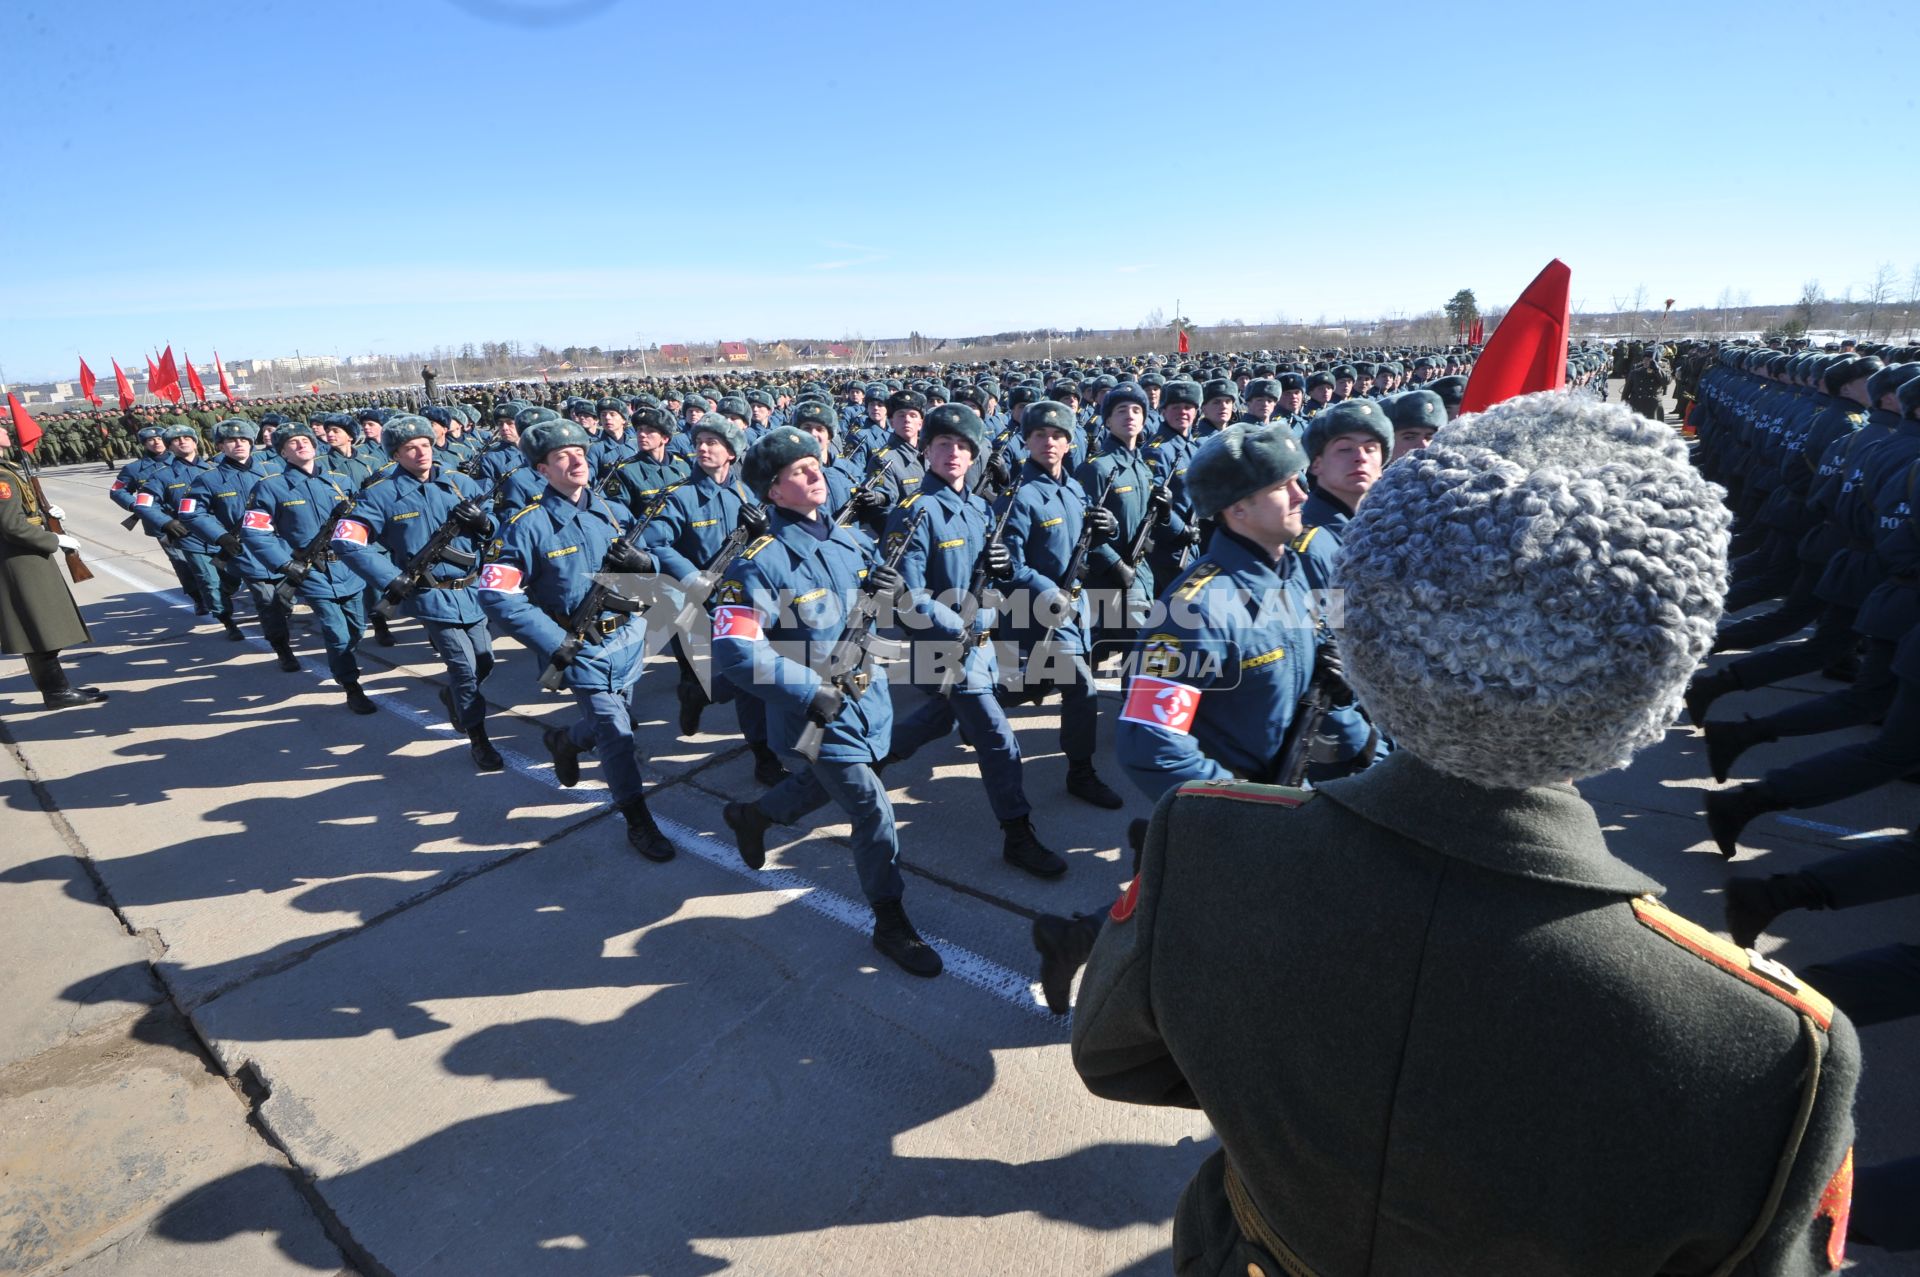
[1064, 945]
[485, 757]
[381, 634]
[1024, 850]
[1083, 783]
[1844, 667]
[767, 767]
[643, 835]
[749, 825]
[445, 695]
[234, 633]
[357, 700]
[55, 692]
[1705, 689]
[288, 661]
[1727, 741]
[692, 702]
[566, 758]
[1729, 810]
[1753, 902]
[895, 937]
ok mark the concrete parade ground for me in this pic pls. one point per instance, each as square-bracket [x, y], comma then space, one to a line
[288, 990]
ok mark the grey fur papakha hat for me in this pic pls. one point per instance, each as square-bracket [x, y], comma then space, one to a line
[1526, 599]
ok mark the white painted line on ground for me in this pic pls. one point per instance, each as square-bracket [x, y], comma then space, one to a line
[1840, 831]
[174, 598]
[963, 964]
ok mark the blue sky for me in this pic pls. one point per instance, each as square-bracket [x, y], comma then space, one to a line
[355, 177]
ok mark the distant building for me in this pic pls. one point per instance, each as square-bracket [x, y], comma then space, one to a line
[734, 352]
[675, 354]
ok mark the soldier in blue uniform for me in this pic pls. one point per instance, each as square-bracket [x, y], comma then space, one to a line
[1416, 416]
[1169, 452]
[868, 433]
[539, 568]
[215, 507]
[158, 505]
[1347, 447]
[391, 521]
[896, 467]
[817, 420]
[125, 493]
[1293, 399]
[343, 440]
[652, 469]
[1219, 405]
[615, 445]
[1122, 479]
[785, 598]
[285, 513]
[1049, 507]
[941, 552]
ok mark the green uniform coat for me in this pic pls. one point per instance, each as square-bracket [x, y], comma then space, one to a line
[1441, 1030]
[37, 613]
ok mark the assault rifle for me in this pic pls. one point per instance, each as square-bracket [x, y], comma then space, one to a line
[972, 632]
[416, 576]
[584, 623]
[76, 568]
[693, 611]
[850, 663]
[1069, 582]
[301, 565]
[1290, 768]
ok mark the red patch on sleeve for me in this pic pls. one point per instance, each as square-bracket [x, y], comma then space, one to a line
[139, 498]
[1123, 907]
[736, 623]
[350, 530]
[119, 485]
[1836, 1203]
[501, 578]
[258, 520]
[1161, 702]
[188, 505]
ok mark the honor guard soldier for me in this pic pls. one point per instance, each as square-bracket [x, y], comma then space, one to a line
[287, 515]
[943, 531]
[215, 509]
[1509, 961]
[390, 526]
[786, 599]
[1043, 530]
[157, 504]
[1122, 479]
[696, 516]
[539, 569]
[125, 493]
[37, 613]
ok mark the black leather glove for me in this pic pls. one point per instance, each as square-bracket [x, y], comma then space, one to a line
[883, 581]
[999, 561]
[176, 530]
[625, 557]
[230, 544]
[870, 499]
[1330, 669]
[754, 521]
[1123, 574]
[396, 592]
[1105, 526]
[1160, 501]
[826, 704]
[1189, 535]
[999, 470]
[470, 516]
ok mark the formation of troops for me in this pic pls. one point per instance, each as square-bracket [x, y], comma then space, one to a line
[859, 570]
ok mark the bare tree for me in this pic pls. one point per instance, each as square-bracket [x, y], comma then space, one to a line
[1879, 293]
[1639, 303]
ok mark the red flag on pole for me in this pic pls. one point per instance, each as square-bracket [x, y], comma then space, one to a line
[124, 386]
[87, 382]
[1183, 339]
[26, 432]
[153, 376]
[226, 387]
[169, 377]
[1529, 351]
[193, 379]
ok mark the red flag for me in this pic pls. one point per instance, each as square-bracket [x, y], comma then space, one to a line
[169, 377]
[226, 387]
[315, 388]
[1183, 339]
[125, 387]
[87, 382]
[193, 379]
[1529, 352]
[26, 432]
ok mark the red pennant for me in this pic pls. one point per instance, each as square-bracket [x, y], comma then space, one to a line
[1183, 339]
[193, 379]
[87, 382]
[26, 431]
[124, 386]
[226, 387]
[1528, 353]
[169, 378]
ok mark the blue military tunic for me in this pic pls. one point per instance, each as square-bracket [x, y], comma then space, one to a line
[158, 500]
[285, 512]
[1041, 533]
[393, 519]
[219, 497]
[937, 561]
[698, 517]
[784, 603]
[540, 566]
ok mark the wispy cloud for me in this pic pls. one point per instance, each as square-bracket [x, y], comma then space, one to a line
[864, 255]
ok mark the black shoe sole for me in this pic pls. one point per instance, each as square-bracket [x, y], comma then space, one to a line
[751, 843]
[926, 971]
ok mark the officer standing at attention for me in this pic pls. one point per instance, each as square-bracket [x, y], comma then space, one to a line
[1508, 961]
[285, 513]
[37, 612]
[941, 553]
[399, 515]
[539, 568]
[790, 593]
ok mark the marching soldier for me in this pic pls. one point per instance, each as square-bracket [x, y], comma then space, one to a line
[1122, 479]
[539, 569]
[399, 515]
[158, 505]
[215, 507]
[760, 626]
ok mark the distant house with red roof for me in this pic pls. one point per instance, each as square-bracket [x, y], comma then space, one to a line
[734, 352]
[675, 355]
